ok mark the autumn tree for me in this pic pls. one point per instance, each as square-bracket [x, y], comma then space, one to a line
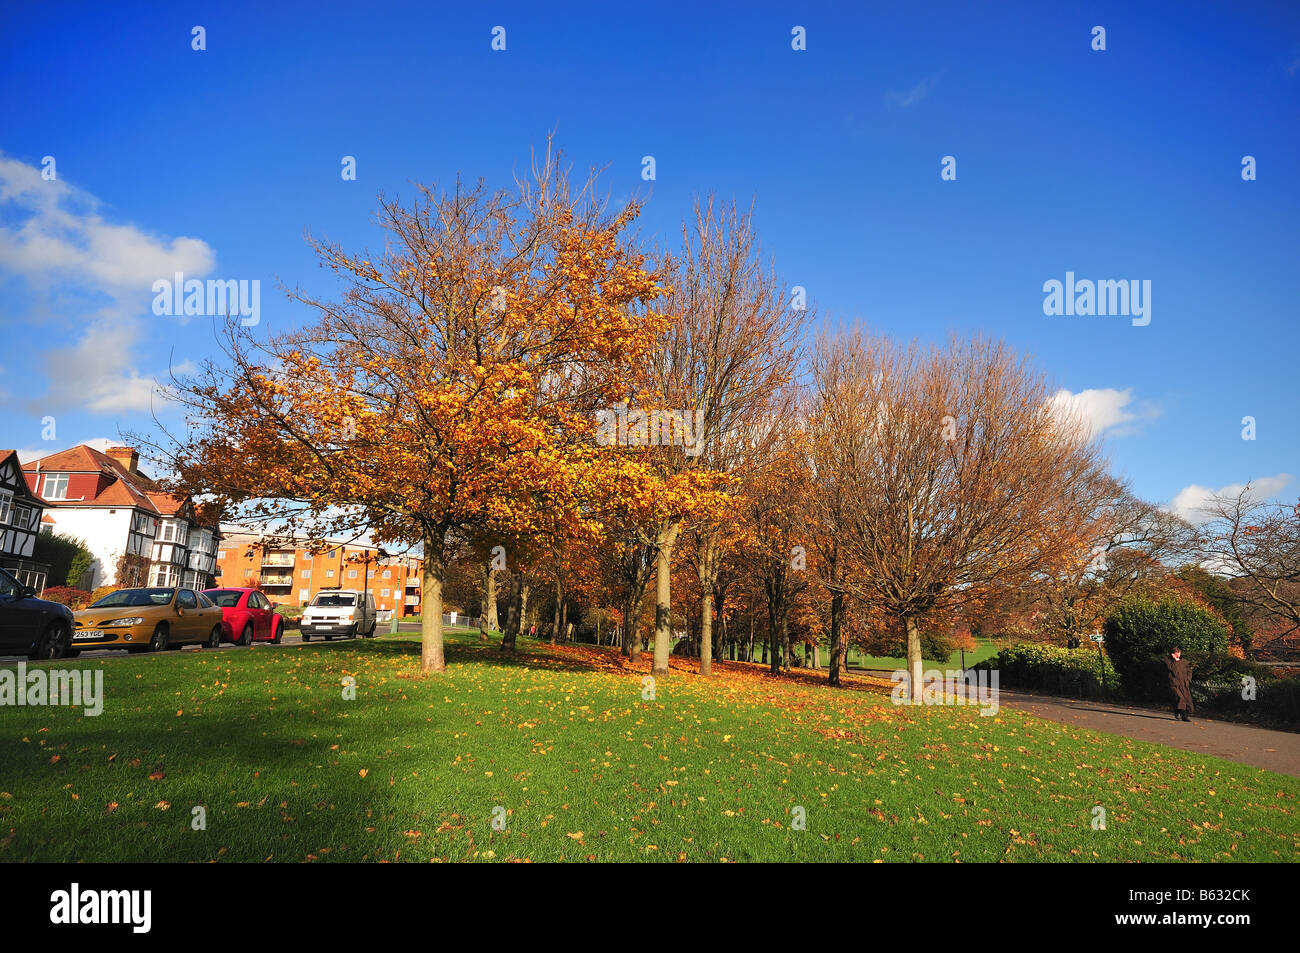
[452, 385]
[732, 343]
[964, 479]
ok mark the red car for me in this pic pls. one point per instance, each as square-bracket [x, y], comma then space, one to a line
[247, 616]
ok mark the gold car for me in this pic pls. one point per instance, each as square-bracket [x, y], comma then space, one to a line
[147, 620]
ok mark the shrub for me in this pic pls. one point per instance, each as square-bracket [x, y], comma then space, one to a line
[100, 593]
[74, 599]
[1051, 668]
[67, 557]
[1141, 631]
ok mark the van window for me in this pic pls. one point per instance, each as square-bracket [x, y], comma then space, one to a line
[334, 600]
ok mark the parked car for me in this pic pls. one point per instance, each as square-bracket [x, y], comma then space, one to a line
[247, 616]
[30, 626]
[344, 612]
[148, 619]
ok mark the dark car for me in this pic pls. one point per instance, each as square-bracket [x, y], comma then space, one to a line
[31, 626]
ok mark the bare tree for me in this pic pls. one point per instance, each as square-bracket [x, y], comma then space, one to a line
[733, 343]
[960, 478]
[1257, 542]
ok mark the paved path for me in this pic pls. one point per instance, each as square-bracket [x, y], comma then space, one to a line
[1261, 747]
[1246, 744]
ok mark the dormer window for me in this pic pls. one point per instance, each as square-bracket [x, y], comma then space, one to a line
[55, 486]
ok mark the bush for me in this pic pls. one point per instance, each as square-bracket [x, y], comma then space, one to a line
[67, 557]
[1051, 668]
[1140, 632]
[100, 593]
[74, 599]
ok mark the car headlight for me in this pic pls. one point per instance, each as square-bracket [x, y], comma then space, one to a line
[134, 620]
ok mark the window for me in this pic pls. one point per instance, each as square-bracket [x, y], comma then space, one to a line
[258, 601]
[383, 592]
[6, 505]
[388, 574]
[185, 599]
[352, 574]
[329, 573]
[22, 517]
[55, 486]
[221, 554]
[303, 594]
[306, 574]
[204, 601]
[9, 585]
[164, 574]
[248, 574]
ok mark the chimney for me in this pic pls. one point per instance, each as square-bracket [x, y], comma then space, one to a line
[127, 457]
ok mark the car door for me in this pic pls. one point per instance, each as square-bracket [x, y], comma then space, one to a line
[189, 619]
[19, 615]
[210, 614]
[261, 612]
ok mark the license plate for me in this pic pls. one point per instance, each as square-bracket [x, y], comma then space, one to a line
[88, 634]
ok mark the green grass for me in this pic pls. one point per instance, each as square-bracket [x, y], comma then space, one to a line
[983, 649]
[586, 769]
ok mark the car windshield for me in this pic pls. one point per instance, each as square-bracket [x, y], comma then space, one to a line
[334, 600]
[135, 597]
[226, 598]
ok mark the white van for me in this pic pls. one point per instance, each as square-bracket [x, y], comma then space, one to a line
[344, 612]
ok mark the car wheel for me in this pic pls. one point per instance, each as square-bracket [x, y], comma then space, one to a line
[214, 640]
[53, 643]
[246, 637]
[279, 634]
[354, 631]
[158, 642]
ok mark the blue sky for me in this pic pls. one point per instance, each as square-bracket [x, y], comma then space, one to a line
[1122, 164]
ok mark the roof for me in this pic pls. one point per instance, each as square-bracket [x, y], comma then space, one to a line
[125, 489]
[5, 456]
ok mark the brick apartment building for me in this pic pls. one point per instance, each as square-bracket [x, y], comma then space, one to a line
[138, 535]
[292, 573]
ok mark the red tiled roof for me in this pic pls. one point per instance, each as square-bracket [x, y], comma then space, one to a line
[126, 488]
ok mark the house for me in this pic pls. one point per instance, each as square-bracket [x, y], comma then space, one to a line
[292, 572]
[20, 521]
[138, 534]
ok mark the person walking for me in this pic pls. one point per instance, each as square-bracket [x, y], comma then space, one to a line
[1180, 684]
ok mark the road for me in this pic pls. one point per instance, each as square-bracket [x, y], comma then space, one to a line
[290, 638]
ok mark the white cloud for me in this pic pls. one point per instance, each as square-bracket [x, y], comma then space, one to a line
[98, 443]
[53, 235]
[1105, 410]
[911, 97]
[1190, 501]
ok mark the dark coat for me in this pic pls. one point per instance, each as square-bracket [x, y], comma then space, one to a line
[1180, 682]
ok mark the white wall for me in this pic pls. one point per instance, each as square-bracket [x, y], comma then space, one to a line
[105, 535]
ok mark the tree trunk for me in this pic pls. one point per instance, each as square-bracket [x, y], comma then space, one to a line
[559, 610]
[513, 615]
[493, 623]
[663, 599]
[708, 575]
[837, 623]
[432, 658]
[913, 659]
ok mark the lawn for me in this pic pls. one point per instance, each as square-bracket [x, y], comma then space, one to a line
[582, 768]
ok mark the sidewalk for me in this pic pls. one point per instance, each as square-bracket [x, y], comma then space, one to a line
[1260, 747]
[1246, 744]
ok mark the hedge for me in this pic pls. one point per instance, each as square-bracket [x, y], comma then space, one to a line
[1050, 668]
